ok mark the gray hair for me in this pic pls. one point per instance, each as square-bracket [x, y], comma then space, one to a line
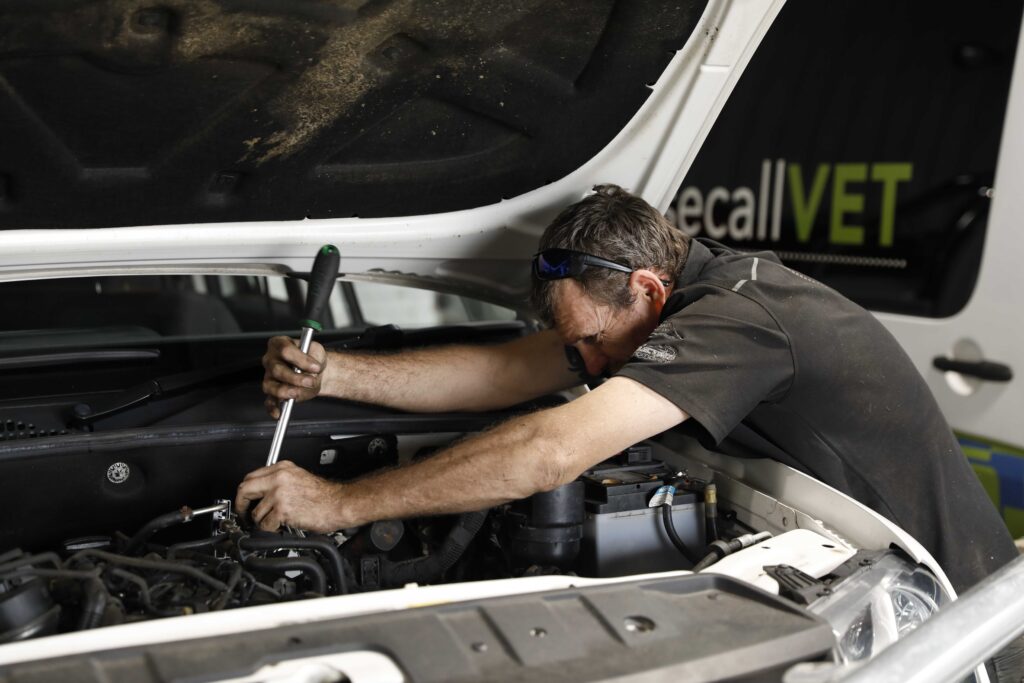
[620, 227]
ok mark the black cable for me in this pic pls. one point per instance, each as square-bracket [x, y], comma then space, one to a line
[670, 529]
[159, 565]
[236, 574]
[154, 525]
[721, 548]
[193, 545]
[144, 593]
[708, 560]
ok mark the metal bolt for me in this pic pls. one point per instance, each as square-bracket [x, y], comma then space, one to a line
[638, 624]
[378, 446]
[538, 632]
[479, 647]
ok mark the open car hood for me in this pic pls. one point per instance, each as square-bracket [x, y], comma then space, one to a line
[201, 133]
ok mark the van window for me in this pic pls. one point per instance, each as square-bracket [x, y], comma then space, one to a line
[860, 144]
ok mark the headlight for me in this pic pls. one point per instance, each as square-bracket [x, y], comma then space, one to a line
[883, 600]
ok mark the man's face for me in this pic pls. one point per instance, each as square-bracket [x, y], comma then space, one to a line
[605, 336]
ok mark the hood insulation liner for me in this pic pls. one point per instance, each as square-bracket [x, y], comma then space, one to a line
[134, 112]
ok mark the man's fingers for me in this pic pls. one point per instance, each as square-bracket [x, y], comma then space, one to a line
[281, 391]
[244, 497]
[293, 355]
[282, 493]
[271, 469]
[272, 522]
[255, 486]
[281, 381]
[286, 375]
[262, 510]
[273, 407]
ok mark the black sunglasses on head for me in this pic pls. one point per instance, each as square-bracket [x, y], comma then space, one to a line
[558, 264]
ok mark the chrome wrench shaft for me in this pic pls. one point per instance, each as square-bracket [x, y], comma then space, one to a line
[286, 406]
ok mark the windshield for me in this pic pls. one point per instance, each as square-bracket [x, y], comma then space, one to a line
[122, 310]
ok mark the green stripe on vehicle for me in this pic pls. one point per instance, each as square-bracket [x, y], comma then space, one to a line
[1000, 469]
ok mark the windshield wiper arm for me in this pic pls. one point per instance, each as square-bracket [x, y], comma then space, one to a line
[84, 414]
[42, 360]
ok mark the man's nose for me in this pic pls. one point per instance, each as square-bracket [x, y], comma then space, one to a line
[594, 360]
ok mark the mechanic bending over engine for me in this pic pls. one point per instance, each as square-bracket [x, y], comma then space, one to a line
[747, 355]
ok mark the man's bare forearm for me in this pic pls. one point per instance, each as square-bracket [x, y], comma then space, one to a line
[512, 461]
[419, 380]
[455, 378]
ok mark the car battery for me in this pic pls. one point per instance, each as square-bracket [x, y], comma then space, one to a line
[621, 534]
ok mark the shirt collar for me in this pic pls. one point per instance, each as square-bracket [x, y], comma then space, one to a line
[697, 258]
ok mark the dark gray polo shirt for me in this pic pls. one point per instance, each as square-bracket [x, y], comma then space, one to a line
[770, 363]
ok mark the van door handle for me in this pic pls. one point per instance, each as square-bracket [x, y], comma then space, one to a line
[982, 369]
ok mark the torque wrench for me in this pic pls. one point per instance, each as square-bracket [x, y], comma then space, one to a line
[321, 283]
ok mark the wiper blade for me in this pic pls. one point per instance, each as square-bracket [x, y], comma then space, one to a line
[43, 360]
[84, 414]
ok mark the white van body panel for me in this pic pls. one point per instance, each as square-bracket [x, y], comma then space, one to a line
[991, 326]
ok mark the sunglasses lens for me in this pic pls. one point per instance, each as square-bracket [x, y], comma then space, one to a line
[553, 264]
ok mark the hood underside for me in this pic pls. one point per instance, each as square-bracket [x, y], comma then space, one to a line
[129, 112]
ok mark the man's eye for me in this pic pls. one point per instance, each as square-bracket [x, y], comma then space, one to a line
[592, 339]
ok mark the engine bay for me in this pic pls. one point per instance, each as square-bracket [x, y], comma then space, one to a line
[619, 518]
[119, 476]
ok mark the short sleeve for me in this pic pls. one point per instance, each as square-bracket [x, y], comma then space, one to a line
[716, 359]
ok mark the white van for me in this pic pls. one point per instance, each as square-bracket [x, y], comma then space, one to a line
[167, 175]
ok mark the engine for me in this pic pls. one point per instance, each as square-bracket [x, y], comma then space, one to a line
[609, 522]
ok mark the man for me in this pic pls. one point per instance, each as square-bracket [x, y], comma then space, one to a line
[750, 357]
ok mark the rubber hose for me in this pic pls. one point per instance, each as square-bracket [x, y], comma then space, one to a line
[154, 525]
[159, 565]
[94, 604]
[708, 560]
[236, 575]
[173, 551]
[670, 529]
[279, 565]
[320, 543]
[24, 560]
[431, 568]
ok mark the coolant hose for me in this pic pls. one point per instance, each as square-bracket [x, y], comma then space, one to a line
[431, 568]
[154, 525]
[320, 543]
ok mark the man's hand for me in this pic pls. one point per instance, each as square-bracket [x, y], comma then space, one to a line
[281, 382]
[288, 494]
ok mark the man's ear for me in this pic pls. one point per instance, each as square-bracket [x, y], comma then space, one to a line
[647, 283]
